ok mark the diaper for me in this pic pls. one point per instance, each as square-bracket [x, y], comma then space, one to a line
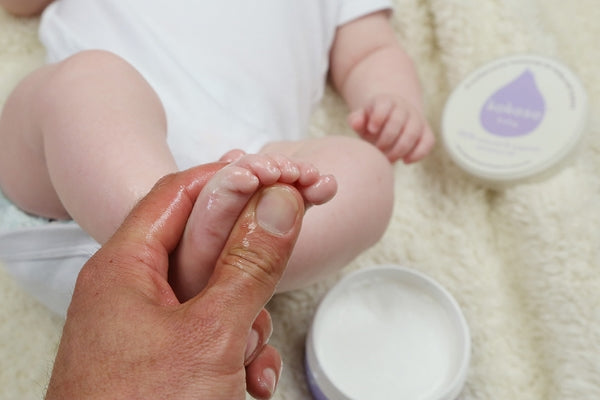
[46, 259]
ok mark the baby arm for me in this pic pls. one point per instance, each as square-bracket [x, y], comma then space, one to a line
[24, 8]
[379, 83]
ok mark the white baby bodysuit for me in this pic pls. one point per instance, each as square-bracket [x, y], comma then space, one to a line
[230, 73]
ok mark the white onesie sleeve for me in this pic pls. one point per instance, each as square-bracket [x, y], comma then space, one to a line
[352, 9]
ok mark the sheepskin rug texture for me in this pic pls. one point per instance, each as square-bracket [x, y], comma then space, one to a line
[524, 263]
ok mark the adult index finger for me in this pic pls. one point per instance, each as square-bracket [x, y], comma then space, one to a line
[154, 227]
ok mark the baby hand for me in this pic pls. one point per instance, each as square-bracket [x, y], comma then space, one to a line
[395, 127]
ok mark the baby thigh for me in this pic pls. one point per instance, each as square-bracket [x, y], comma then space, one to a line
[84, 138]
[334, 233]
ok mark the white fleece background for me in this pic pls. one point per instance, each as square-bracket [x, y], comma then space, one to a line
[524, 263]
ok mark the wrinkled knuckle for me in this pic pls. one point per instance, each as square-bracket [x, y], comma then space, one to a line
[257, 265]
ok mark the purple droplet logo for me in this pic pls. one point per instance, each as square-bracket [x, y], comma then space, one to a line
[515, 109]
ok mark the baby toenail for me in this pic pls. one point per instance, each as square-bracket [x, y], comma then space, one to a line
[277, 210]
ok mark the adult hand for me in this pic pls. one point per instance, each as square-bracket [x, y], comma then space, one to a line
[126, 334]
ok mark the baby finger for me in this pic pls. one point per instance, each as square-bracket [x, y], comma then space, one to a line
[423, 147]
[392, 130]
[378, 115]
[407, 141]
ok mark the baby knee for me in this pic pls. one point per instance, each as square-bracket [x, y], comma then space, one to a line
[91, 60]
[368, 181]
[85, 66]
[376, 177]
[370, 163]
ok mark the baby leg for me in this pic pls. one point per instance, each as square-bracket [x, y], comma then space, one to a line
[84, 139]
[220, 203]
[335, 233]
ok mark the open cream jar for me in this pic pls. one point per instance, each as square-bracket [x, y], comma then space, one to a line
[387, 333]
[515, 119]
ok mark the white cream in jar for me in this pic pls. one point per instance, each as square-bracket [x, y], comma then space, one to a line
[384, 333]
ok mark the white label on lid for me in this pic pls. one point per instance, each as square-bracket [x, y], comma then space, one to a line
[514, 117]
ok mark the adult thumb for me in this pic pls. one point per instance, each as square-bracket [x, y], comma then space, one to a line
[255, 254]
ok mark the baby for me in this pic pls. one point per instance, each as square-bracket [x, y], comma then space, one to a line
[136, 90]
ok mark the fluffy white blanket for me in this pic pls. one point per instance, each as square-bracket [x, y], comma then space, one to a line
[524, 263]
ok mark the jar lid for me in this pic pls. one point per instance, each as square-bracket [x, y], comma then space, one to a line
[387, 332]
[514, 119]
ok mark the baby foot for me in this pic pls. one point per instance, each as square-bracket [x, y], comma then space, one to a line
[222, 200]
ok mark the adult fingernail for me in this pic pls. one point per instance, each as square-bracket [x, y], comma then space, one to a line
[269, 380]
[277, 210]
[252, 344]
